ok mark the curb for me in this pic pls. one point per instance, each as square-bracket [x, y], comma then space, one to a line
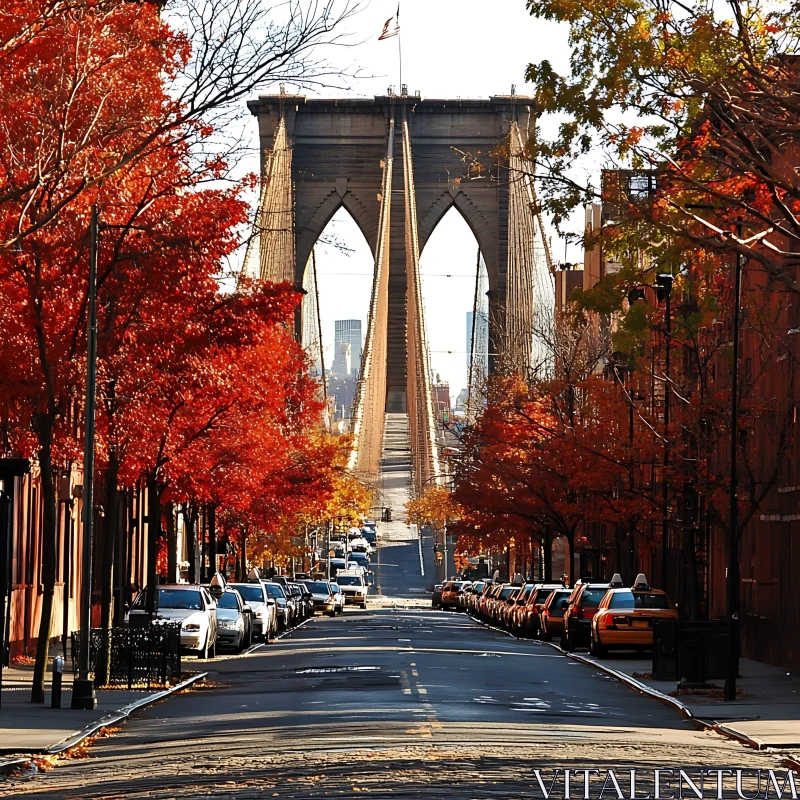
[104, 722]
[634, 684]
[680, 707]
[676, 704]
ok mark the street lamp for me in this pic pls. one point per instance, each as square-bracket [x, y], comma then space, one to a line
[83, 695]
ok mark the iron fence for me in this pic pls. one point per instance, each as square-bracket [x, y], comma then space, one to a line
[133, 657]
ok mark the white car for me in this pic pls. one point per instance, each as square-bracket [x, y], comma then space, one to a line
[192, 606]
[353, 586]
[338, 597]
[265, 618]
[360, 545]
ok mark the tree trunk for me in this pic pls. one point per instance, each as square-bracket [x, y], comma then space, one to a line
[172, 543]
[548, 555]
[49, 556]
[110, 536]
[153, 536]
[190, 521]
[212, 540]
[243, 568]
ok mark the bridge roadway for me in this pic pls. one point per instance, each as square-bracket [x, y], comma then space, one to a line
[396, 700]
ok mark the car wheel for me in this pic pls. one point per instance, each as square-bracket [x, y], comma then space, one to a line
[363, 605]
[212, 651]
[568, 644]
[545, 636]
[600, 650]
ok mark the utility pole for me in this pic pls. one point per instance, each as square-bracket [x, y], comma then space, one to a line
[83, 695]
[733, 524]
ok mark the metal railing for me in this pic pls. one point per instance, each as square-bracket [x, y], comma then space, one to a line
[133, 657]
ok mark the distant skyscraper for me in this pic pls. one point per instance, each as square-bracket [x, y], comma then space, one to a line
[470, 315]
[347, 332]
[481, 352]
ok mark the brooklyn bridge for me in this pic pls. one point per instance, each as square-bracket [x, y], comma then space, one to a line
[397, 164]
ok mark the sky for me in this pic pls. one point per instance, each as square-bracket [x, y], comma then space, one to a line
[450, 48]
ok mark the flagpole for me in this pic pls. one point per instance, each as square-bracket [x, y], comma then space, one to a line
[399, 48]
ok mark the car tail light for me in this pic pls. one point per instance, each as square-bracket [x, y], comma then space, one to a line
[620, 620]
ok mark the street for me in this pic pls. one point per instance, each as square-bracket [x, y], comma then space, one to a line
[398, 699]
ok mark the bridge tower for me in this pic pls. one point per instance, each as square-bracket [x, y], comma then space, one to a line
[398, 164]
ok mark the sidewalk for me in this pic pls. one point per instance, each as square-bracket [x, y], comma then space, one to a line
[767, 713]
[28, 729]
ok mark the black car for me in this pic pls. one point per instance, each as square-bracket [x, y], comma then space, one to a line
[305, 602]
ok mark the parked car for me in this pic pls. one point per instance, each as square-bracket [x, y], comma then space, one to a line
[505, 610]
[499, 600]
[451, 592]
[282, 607]
[338, 597]
[436, 596]
[303, 601]
[371, 536]
[583, 603]
[265, 617]
[337, 565]
[193, 606]
[487, 599]
[354, 588]
[323, 598]
[234, 621]
[359, 545]
[359, 559]
[517, 613]
[532, 624]
[625, 617]
[468, 597]
[552, 616]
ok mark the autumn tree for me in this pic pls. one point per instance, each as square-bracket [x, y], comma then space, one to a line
[83, 79]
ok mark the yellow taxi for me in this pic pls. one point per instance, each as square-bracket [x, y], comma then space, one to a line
[625, 617]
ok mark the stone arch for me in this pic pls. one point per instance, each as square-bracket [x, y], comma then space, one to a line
[308, 235]
[478, 224]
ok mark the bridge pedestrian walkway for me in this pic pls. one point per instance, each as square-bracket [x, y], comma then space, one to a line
[403, 564]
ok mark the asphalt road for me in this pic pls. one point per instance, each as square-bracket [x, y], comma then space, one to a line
[397, 700]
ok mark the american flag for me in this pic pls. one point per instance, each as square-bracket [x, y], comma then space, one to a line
[388, 31]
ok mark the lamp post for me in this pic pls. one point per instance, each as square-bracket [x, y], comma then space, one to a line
[732, 673]
[83, 695]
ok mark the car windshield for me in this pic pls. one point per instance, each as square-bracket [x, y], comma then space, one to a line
[250, 592]
[180, 598]
[318, 587]
[228, 600]
[621, 600]
[350, 580]
[650, 600]
[334, 587]
[360, 557]
[591, 597]
[505, 592]
[558, 596]
[275, 591]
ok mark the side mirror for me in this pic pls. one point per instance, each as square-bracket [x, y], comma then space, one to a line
[127, 607]
[246, 609]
